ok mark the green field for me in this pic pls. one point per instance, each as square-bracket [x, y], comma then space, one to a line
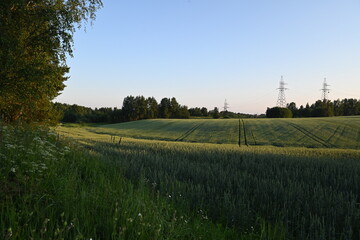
[337, 132]
[288, 179]
[183, 179]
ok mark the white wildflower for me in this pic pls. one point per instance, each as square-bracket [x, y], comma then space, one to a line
[66, 149]
[51, 134]
[9, 146]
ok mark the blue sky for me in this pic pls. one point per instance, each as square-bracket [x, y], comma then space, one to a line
[205, 51]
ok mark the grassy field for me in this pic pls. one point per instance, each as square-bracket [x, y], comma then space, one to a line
[54, 189]
[209, 179]
[307, 190]
[337, 132]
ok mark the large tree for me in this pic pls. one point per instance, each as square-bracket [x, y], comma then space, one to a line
[165, 108]
[152, 108]
[35, 38]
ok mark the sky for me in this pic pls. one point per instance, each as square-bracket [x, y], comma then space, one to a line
[205, 51]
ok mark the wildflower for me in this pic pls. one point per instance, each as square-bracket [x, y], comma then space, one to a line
[38, 140]
[12, 170]
[66, 149]
[51, 134]
[9, 234]
[9, 146]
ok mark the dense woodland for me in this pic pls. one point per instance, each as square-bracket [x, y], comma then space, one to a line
[138, 108]
[325, 108]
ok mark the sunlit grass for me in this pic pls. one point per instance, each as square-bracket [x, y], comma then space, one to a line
[53, 190]
[298, 192]
[117, 187]
[336, 132]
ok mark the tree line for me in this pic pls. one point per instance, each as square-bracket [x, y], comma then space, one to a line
[321, 108]
[138, 108]
[133, 108]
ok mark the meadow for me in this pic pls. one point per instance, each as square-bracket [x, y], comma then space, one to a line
[232, 172]
[336, 132]
[55, 189]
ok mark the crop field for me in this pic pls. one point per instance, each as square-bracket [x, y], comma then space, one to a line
[307, 189]
[337, 132]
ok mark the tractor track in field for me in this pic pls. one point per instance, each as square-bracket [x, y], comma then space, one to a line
[188, 132]
[245, 137]
[239, 143]
[358, 140]
[252, 134]
[311, 135]
[332, 135]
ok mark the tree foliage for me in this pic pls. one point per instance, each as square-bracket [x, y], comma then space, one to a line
[278, 112]
[133, 108]
[216, 113]
[35, 38]
[327, 108]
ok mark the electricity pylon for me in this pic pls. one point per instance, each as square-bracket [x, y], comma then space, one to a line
[281, 102]
[325, 90]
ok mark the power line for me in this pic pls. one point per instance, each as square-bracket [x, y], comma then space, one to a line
[281, 102]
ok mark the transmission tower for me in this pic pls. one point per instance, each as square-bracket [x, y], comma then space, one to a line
[325, 90]
[226, 106]
[281, 102]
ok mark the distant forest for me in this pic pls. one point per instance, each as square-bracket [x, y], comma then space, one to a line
[321, 108]
[138, 108]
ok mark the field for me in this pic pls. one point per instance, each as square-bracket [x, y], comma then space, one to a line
[339, 132]
[234, 173]
[53, 189]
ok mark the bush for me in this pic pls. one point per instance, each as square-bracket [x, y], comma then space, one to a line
[277, 112]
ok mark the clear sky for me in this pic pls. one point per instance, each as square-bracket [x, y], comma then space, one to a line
[205, 51]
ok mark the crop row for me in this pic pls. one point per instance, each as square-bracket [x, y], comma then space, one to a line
[309, 193]
[320, 133]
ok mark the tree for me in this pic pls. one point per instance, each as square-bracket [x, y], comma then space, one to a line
[140, 107]
[278, 112]
[204, 111]
[292, 107]
[174, 108]
[216, 113]
[35, 38]
[164, 108]
[128, 109]
[323, 108]
[196, 112]
[152, 108]
[183, 112]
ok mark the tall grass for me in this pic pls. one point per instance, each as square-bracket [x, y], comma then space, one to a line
[335, 132]
[56, 190]
[292, 193]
